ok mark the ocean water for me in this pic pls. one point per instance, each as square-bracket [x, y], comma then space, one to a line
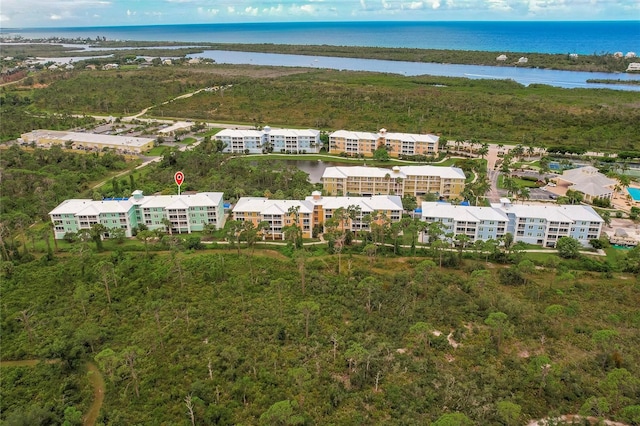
[526, 37]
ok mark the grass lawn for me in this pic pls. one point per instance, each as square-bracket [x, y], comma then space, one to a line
[157, 151]
[521, 183]
[188, 141]
[526, 183]
[209, 132]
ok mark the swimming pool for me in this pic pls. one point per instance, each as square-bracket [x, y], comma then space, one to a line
[635, 193]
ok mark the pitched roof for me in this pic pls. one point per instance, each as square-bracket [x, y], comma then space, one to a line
[342, 172]
[70, 206]
[263, 205]
[409, 137]
[551, 213]
[462, 213]
[588, 180]
[201, 199]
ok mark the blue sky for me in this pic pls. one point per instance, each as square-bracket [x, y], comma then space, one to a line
[72, 13]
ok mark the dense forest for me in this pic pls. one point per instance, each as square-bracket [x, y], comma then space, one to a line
[19, 116]
[35, 181]
[497, 111]
[254, 336]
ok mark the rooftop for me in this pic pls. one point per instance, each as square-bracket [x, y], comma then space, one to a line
[93, 138]
[342, 172]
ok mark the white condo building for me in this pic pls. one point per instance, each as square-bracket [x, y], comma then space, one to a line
[290, 141]
[533, 224]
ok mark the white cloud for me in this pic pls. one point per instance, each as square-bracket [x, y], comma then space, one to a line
[204, 11]
[500, 5]
[274, 10]
[26, 13]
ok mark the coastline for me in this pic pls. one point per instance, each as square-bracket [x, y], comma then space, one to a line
[554, 37]
[605, 63]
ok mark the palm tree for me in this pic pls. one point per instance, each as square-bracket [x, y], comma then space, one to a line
[167, 224]
[524, 193]
[484, 150]
[354, 212]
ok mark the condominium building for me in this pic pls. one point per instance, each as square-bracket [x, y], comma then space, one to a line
[545, 225]
[292, 141]
[446, 182]
[361, 211]
[74, 215]
[397, 144]
[184, 213]
[533, 224]
[477, 223]
[316, 210]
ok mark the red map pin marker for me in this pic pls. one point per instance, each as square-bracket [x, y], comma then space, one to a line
[179, 178]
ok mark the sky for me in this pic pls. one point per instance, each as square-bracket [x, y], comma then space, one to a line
[89, 13]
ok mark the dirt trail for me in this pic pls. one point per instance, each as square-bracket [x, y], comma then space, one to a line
[94, 376]
[97, 381]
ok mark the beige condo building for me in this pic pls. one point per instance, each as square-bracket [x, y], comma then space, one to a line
[365, 143]
[315, 210]
[446, 182]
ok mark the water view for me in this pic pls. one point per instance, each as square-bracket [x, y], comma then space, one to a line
[525, 76]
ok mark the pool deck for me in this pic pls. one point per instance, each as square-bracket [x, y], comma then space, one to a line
[621, 202]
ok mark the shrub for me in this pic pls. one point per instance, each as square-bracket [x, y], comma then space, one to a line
[510, 276]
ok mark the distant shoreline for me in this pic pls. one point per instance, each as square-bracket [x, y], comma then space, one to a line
[566, 62]
[546, 37]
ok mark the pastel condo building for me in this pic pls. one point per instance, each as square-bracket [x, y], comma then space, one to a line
[397, 144]
[316, 210]
[182, 213]
[444, 182]
[532, 224]
[290, 141]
